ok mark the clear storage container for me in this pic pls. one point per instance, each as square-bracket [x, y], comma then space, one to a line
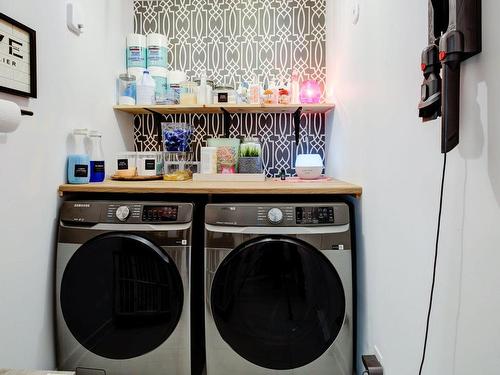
[147, 163]
[126, 89]
[188, 93]
[224, 94]
[126, 164]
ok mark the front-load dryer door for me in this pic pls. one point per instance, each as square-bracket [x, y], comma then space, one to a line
[121, 295]
[278, 302]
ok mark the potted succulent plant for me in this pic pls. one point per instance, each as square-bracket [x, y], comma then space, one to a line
[250, 160]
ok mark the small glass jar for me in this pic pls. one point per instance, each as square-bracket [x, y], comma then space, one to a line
[147, 163]
[188, 94]
[268, 96]
[224, 94]
[284, 96]
[126, 164]
[126, 89]
[173, 94]
[180, 170]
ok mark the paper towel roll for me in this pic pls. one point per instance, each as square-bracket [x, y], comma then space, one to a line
[10, 116]
[136, 51]
[157, 50]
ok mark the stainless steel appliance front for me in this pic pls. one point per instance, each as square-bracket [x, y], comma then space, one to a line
[278, 289]
[123, 287]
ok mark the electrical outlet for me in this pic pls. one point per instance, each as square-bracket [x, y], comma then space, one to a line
[372, 365]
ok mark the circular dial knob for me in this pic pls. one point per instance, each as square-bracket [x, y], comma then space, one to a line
[122, 213]
[275, 215]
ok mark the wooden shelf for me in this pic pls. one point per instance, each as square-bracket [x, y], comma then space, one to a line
[231, 108]
[269, 186]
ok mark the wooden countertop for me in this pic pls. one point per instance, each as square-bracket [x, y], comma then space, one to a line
[269, 186]
[33, 372]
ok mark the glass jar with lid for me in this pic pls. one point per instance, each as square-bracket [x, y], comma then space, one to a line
[224, 94]
[188, 94]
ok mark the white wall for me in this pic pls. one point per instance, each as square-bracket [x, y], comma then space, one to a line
[76, 86]
[377, 140]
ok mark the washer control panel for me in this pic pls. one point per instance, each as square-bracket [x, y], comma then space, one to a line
[126, 212]
[160, 213]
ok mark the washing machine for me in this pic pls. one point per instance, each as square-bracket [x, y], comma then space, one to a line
[278, 289]
[122, 288]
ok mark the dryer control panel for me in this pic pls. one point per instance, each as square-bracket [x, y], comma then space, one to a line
[306, 214]
[314, 215]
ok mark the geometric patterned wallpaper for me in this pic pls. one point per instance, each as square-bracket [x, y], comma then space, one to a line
[234, 40]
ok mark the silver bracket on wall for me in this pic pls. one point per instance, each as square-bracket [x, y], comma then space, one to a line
[296, 120]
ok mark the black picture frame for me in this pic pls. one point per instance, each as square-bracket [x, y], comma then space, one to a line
[33, 79]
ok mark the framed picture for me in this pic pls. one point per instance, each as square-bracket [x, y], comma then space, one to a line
[17, 58]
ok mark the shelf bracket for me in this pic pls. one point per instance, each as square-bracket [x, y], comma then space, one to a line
[157, 118]
[227, 121]
[296, 120]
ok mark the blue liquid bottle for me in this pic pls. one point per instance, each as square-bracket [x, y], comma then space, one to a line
[97, 170]
[79, 162]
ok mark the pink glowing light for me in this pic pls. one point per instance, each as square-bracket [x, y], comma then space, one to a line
[310, 92]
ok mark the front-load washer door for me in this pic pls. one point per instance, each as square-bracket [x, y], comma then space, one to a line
[121, 295]
[278, 302]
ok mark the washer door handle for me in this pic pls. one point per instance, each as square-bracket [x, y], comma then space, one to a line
[132, 227]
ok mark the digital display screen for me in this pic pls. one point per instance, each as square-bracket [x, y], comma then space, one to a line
[160, 213]
[314, 215]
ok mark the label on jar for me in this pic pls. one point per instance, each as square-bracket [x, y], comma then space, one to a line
[98, 167]
[150, 164]
[122, 164]
[222, 97]
[81, 170]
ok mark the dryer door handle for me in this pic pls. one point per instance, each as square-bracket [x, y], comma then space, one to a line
[277, 230]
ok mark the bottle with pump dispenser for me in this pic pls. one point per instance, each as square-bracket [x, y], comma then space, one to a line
[295, 88]
[202, 89]
[97, 169]
[79, 161]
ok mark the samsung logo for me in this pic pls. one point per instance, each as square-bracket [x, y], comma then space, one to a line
[81, 205]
